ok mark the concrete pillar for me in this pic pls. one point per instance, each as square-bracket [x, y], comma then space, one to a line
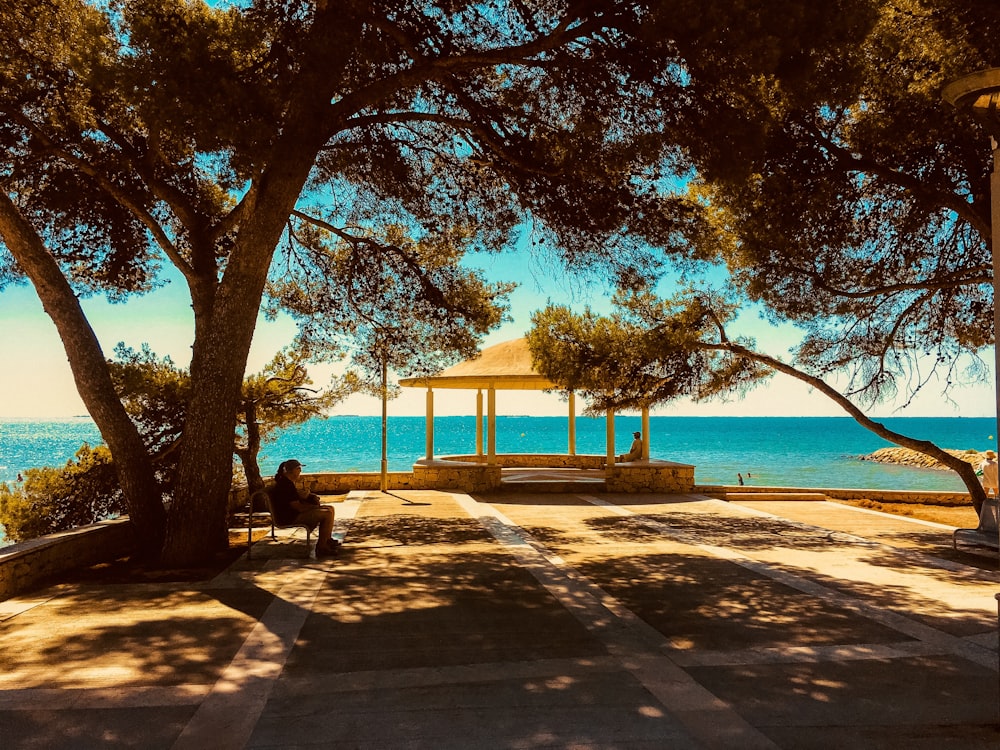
[491, 418]
[610, 417]
[646, 437]
[572, 423]
[430, 424]
[479, 424]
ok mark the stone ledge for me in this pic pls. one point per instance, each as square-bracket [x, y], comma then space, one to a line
[928, 497]
[26, 564]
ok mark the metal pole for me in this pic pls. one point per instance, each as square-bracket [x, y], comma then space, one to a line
[572, 423]
[995, 250]
[384, 482]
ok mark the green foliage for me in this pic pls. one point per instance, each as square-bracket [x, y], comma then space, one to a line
[277, 398]
[860, 208]
[648, 352]
[405, 304]
[155, 393]
[50, 499]
[138, 133]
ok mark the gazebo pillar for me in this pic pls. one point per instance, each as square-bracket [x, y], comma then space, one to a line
[491, 417]
[645, 432]
[429, 430]
[572, 423]
[479, 424]
[610, 417]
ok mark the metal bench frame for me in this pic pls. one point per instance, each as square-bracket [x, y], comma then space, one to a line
[984, 535]
[266, 497]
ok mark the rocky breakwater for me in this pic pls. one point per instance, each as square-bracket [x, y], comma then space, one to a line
[908, 457]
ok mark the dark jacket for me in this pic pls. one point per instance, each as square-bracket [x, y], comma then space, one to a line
[283, 494]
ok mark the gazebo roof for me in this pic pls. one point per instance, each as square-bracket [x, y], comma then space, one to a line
[505, 366]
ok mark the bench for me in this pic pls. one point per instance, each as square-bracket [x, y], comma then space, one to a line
[984, 535]
[263, 498]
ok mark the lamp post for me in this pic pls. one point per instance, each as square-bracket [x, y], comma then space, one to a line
[979, 94]
[384, 479]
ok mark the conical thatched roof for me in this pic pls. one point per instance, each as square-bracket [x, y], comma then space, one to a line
[504, 366]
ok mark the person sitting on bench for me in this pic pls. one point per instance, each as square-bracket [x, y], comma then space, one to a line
[291, 507]
[634, 451]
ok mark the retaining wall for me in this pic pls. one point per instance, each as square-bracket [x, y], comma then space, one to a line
[882, 496]
[26, 564]
[650, 476]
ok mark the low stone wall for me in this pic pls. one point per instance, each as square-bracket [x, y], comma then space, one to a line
[333, 483]
[882, 496]
[26, 564]
[460, 476]
[650, 476]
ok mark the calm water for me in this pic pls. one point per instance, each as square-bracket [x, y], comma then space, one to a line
[790, 451]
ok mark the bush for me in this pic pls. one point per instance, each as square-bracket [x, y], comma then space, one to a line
[51, 499]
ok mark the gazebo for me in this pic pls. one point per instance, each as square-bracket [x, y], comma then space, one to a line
[505, 367]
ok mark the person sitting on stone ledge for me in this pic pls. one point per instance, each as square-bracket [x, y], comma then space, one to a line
[634, 451]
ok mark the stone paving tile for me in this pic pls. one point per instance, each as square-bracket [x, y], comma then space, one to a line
[420, 587]
[697, 600]
[609, 710]
[898, 531]
[933, 589]
[841, 659]
[126, 635]
[868, 701]
[149, 728]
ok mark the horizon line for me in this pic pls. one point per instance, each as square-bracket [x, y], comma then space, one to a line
[625, 415]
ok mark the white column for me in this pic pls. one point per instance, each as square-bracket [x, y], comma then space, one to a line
[491, 409]
[430, 424]
[572, 423]
[479, 424]
[610, 417]
[995, 251]
[646, 437]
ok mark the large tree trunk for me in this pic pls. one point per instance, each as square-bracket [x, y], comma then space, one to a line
[225, 318]
[196, 528]
[93, 380]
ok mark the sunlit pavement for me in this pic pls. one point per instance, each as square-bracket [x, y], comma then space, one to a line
[529, 621]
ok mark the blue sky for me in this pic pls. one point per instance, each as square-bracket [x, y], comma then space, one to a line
[36, 382]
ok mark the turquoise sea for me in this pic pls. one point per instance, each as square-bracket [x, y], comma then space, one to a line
[788, 451]
[769, 451]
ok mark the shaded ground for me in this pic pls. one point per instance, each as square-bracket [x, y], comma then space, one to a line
[125, 570]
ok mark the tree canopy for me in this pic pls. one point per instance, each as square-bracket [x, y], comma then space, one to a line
[855, 205]
[140, 134]
[172, 132]
[651, 351]
[860, 207]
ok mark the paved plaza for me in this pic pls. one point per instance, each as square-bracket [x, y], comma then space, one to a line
[527, 620]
